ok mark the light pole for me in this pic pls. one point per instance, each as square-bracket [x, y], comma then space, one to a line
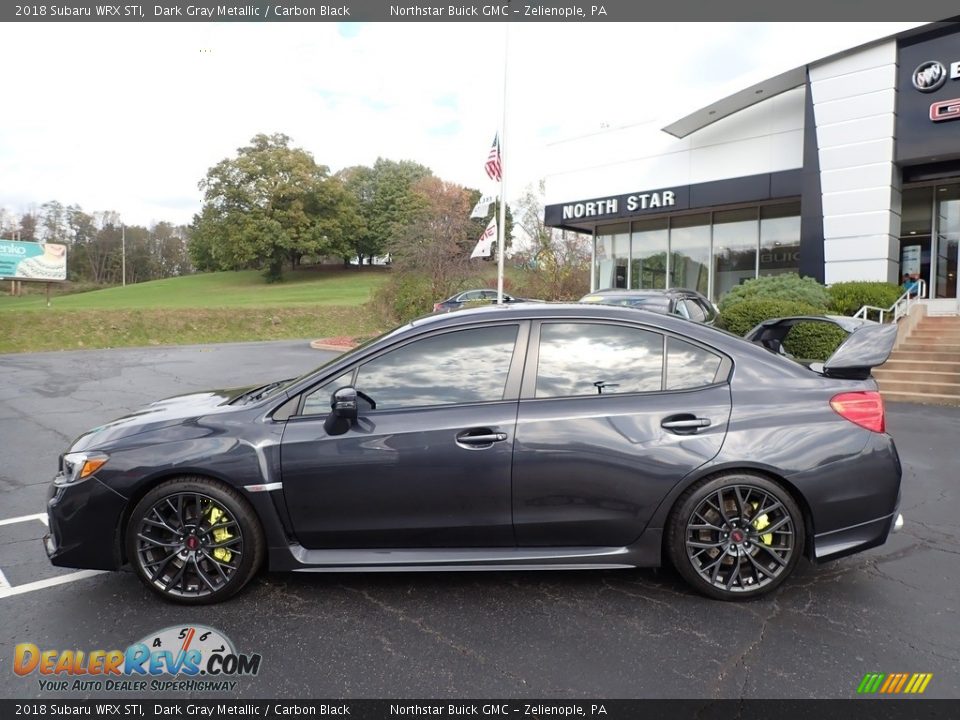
[123, 253]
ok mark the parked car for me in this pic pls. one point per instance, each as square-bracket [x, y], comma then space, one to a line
[687, 304]
[455, 302]
[533, 435]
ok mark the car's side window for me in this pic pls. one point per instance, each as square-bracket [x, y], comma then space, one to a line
[689, 366]
[694, 310]
[597, 359]
[681, 310]
[469, 296]
[465, 366]
[318, 401]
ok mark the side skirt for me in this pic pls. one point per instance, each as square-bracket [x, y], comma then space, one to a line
[645, 552]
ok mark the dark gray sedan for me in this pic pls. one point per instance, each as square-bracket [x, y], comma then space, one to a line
[524, 436]
[685, 303]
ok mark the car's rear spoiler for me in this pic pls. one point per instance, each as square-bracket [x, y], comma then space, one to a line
[868, 345]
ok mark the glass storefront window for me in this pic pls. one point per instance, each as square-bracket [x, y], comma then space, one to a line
[735, 234]
[915, 234]
[613, 252]
[690, 252]
[948, 240]
[676, 251]
[780, 239]
[649, 265]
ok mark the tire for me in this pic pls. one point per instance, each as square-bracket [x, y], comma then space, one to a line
[736, 536]
[194, 541]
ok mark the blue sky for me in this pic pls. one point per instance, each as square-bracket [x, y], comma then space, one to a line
[129, 117]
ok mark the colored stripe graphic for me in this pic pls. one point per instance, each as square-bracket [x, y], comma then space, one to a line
[890, 681]
[870, 683]
[894, 683]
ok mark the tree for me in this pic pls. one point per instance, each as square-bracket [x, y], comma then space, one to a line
[169, 249]
[386, 200]
[270, 204]
[27, 231]
[53, 223]
[559, 260]
[438, 242]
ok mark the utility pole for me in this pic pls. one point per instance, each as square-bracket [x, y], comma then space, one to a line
[123, 253]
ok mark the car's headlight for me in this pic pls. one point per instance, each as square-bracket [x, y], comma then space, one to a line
[79, 466]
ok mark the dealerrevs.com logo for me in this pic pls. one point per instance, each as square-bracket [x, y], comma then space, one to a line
[179, 658]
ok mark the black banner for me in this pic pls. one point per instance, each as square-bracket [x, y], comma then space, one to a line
[875, 709]
[469, 11]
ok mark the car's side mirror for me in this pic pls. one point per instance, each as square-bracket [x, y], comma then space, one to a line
[344, 407]
[343, 411]
[343, 403]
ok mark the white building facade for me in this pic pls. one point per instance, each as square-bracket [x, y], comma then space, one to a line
[844, 169]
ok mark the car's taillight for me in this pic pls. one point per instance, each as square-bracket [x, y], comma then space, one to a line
[863, 408]
[437, 306]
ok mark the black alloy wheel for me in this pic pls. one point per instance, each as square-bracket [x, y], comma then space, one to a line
[736, 536]
[194, 541]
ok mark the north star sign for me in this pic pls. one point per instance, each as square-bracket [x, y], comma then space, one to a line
[611, 205]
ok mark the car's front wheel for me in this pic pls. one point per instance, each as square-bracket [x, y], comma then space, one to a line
[194, 541]
[735, 536]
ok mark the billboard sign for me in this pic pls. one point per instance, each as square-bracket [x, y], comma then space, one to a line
[33, 261]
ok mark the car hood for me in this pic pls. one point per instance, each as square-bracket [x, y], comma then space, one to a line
[163, 413]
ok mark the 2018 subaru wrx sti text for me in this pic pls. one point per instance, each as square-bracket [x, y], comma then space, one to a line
[528, 436]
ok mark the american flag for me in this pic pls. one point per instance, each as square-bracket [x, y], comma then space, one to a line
[492, 166]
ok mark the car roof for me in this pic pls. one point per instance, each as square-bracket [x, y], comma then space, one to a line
[561, 311]
[618, 292]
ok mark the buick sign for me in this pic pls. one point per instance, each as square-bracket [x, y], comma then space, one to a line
[929, 76]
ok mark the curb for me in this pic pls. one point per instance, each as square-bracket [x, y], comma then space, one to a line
[321, 345]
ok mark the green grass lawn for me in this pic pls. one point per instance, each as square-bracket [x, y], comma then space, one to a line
[246, 288]
[211, 307]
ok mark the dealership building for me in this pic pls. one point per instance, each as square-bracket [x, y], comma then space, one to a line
[847, 168]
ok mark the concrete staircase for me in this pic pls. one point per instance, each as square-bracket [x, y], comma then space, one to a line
[925, 368]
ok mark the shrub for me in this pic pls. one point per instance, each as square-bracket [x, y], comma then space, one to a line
[787, 287]
[403, 297]
[805, 341]
[744, 316]
[813, 340]
[848, 297]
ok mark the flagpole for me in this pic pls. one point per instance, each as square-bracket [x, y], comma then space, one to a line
[502, 225]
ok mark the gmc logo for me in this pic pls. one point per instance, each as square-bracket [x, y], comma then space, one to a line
[945, 110]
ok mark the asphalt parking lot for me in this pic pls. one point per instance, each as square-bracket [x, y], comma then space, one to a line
[610, 634]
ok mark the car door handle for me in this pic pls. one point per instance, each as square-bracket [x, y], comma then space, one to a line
[684, 424]
[482, 436]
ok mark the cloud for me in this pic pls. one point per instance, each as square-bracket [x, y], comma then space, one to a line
[129, 117]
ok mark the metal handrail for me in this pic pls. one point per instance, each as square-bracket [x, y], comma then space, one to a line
[900, 308]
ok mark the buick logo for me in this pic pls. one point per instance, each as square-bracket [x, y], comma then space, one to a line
[929, 76]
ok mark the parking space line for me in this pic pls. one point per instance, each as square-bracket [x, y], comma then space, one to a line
[42, 517]
[8, 590]
[48, 582]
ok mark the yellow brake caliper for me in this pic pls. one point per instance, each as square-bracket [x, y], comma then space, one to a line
[216, 515]
[760, 522]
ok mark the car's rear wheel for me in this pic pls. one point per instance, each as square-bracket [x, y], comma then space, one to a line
[735, 536]
[194, 541]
